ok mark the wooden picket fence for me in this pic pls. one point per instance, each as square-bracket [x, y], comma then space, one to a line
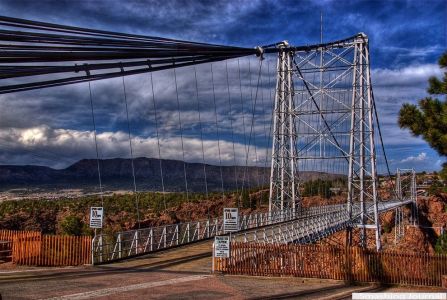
[322, 261]
[36, 249]
[9, 235]
[5, 251]
[6, 241]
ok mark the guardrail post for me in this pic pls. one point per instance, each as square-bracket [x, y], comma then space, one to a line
[152, 239]
[188, 231]
[208, 228]
[93, 250]
[119, 245]
[137, 237]
[101, 249]
[212, 262]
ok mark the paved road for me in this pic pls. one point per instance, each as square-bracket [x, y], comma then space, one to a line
[182, 273]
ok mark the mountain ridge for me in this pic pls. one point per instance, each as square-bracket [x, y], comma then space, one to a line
[116, 174]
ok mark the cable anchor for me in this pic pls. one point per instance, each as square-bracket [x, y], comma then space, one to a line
[259, 52]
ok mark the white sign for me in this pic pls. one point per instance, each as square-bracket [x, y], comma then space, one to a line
[231, 219]
[222, 246]
[96, 214]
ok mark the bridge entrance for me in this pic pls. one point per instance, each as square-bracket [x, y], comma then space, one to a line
[324, 126]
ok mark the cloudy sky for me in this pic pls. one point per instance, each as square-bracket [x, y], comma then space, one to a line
[54, 126]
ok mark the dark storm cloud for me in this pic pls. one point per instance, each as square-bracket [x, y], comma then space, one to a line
[393, 26]
[406, 37]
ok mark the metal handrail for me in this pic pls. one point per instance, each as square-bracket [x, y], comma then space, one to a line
[302, 225]
[107, 248]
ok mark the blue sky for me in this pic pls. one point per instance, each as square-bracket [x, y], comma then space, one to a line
[53, 127]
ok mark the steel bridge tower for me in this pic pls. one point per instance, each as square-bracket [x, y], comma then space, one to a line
[284, 176]
[323, 127]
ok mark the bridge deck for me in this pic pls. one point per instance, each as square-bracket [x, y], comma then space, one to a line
[311, 228]
[306, 226]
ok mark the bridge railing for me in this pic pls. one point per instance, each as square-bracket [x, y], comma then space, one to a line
[107, 248]
[315, 224]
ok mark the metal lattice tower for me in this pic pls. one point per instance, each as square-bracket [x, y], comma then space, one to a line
[284, 179]
[362, 178]
[324, 127]
[406, 189]
[406, 184]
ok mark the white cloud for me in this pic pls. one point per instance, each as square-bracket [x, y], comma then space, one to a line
[409, 76]
[419, 158]
[48, 146]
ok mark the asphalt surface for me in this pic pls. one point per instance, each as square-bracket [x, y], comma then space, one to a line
[182, 273]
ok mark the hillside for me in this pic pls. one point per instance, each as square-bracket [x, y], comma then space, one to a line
[116, 174]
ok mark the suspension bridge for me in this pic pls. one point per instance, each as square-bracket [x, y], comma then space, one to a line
[317, 116]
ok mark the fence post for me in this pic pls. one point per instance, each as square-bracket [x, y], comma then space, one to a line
[212, 262]
[93, 250]
[137, 237]
[118, 238]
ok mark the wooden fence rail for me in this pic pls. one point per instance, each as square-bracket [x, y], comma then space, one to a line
[9, 235]
[34, 248]
[321, 261]
[5, 251]
[52, 250]
[7, 238]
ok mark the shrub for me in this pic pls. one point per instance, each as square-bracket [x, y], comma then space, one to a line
[72, 225]
[441, 244]
[318, 188]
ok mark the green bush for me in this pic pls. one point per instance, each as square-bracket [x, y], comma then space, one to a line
[246, 199]
[387, 228]
[317, 188]
[436, 188]
[441, 244]
[72, 225]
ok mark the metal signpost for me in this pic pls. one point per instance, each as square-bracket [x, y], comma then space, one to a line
[231, 220]
[96, 215]
[222, 246]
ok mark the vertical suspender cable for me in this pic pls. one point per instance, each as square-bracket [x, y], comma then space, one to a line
[131, 153]
[252, 120]
[271, 110]
[158, 142]
[253, 113]
[217, 131]
[265, 131]
[96, 145]
[243, 123]
[269, 138]
[249, 139]
[230, 116]
[181, 135]
[201, 131]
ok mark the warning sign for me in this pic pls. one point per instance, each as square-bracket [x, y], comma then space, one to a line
[231, 220]
[222, 246]
[96, 214]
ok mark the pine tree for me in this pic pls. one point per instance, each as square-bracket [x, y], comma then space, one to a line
[429, 118]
